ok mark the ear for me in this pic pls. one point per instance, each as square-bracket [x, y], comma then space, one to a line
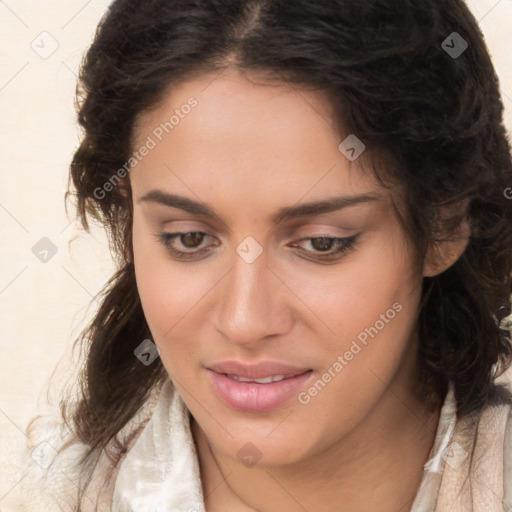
[443, 253]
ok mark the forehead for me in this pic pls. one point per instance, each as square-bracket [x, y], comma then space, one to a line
[248, 98]
[246, 135]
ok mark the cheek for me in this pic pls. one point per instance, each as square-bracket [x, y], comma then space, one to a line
[370, 305]
[173, 296]
[374, 294]
[167, 291]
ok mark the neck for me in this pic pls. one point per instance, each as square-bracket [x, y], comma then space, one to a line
[377, 466]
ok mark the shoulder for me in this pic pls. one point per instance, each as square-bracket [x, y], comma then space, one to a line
[48, 468]
[507, 453]
[49, 472]
[478, 469]
[44, 477]
[507, 466]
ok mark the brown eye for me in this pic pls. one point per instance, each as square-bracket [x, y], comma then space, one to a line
[323, 243]
[192, 240]
[325, 247]
[186, 246]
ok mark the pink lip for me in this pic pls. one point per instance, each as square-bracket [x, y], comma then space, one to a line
[252, 396]
[257, 371]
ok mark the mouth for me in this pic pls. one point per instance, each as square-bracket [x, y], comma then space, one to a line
[264, 380]
[257, 388]
[262, 370]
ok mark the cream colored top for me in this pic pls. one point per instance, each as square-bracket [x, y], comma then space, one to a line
[160, 473]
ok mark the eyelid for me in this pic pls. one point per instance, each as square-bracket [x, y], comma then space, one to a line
[344, 243]
[166, 239]
[318, 229]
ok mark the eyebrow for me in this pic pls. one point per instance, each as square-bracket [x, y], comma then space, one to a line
[285, 213]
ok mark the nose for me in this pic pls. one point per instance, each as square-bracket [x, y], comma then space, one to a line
[254, 304]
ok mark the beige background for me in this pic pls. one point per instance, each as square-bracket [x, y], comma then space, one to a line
[44, 305]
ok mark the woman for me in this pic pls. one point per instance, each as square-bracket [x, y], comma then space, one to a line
[307, 202]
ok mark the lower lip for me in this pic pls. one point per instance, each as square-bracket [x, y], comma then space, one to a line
[254, 397]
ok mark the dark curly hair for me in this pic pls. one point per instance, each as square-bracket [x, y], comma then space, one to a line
[434, 118]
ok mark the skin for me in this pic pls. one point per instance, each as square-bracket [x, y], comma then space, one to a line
[246, 150]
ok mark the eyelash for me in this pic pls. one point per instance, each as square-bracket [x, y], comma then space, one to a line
[344, 245]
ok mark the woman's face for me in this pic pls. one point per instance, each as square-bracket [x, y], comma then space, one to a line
[262, 251]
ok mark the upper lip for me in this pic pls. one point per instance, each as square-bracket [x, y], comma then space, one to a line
[257, 371]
